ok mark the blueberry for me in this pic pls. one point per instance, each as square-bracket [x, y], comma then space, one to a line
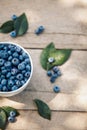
[18, 49]
[51, 60]
[13, 34]
[10, 83]
[55, 69]
[9, 52]
[39, 30]
[27, 61]
[55, 75]
[12, 113]
[10, 58]
[49, 73]
[4, 71]
[59, 73]
[14, 17]
[2, 62]
[8, 75]
[18, 83]
[7, 64]
[21, 58]
[14, 88]
[23, 71]
[0, 87]
[15, 54]
[1, 46]
[19, 76]
[15, 61]
[56, 89]
[14, 71]
[21, 66]
[22, 82]
[2, 76]
[28, 67]
[4, 82]
[25, 55]
[52, 79]
[27, 74]
[3, 68]
[4, 89]
[12, 77]
[11, 119]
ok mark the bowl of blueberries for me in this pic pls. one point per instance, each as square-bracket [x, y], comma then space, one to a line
[16, 69]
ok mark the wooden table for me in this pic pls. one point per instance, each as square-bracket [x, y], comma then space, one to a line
[66, 25]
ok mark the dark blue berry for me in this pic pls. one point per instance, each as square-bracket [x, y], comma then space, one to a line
[21, 58]
[55, 69]
[13, 34]
[4, 71]
[18, 49]
[15, 61]
[51, 59]
[14, 88]
[14, 71]
[28, 67]
[8, 75]
[39, 30]
[21, 66]
[0, 87]
[10, 83]
[4, 82]
[27, 74]
[2, 61]
[7, 64]
[59, 73]
[14, 17]
[49, 73]
[15, 54]
[22, 82]
[12, 113]
[56, 89]
[18, 83]
[52, 79]
[10, 58]
[9, 52]
[4, 89]
[19, 76]
[11, 119]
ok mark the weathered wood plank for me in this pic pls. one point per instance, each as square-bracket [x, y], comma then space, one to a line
[57, 16]
[30, 120]
[61, 40]
[64, 102]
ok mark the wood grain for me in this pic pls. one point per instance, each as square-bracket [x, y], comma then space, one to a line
[30, 120]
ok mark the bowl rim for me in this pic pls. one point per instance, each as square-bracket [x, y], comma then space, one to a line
[25, 85]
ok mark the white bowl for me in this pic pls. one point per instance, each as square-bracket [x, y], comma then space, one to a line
[12, 93]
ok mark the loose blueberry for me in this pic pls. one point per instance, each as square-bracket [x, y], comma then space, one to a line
[59, 73]
[52, 79]
[11, 119]
[51, 60]
[39, 30]
[55, 69]
[49, 73]
[13, 34]
[14, 17]
[56, 89]
[13, 113]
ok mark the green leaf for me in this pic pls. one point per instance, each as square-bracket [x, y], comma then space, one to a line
[2, 119]
[8, 109]
[60, 56]
[7, 27]
[43, 109]
[21, 25]
[45, 55]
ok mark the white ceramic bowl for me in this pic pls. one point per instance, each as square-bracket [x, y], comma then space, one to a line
[12, 93]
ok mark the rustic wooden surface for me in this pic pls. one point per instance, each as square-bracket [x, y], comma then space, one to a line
[66, 25]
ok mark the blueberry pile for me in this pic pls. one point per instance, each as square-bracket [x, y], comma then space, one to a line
[12, 116]
[54, 74]
[15, 67]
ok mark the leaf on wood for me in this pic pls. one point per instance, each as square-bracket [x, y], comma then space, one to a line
[43, 109]
[7, 27]
[60, 56]
[21, 25]
[8, 109]
[2, 119]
